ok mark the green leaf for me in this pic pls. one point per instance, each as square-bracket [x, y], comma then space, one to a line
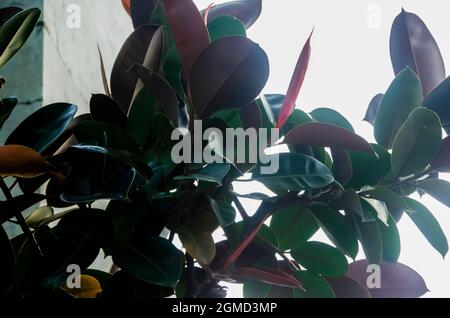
[225, 213]
[320, 258]
[103, 108]
[198, 243]
[437, 101]
[265, 234]
[15, 32]
[314, 286]
[141, 114]
[221, 81]
[225, 26]
[105, 135]
[351, 203]
[336, 228]
[402, 97]
[40, 214]
[297, 172]
[154, 260]
[391, 240]
[330, 116]
[247, 11]
[293, 225]
[438, 189]
[7, 105]
[214, 172]
[417, 142]
[369, 236]
[44, 126]
[389, 197]
[368, 168]
[429, 226]
[173, 69]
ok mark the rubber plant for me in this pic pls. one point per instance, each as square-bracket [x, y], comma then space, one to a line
[181, 64]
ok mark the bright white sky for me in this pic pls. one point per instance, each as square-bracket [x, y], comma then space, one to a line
[349, 64]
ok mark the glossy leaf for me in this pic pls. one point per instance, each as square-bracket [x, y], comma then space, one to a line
[198, 244]
[438, 189]
[346, 287]
[154, 260]
[429, 226]
[296, 172]
[438, 101]
[89, 288]
[350, 202]
[160, 89]
[412, 45]
[225, 214]
[7, 106]
[23, 162]
[39, 215]
[105, 109]
[212, 173]
[417, 143]
[388, 196]
[40, 129]
[220, 80]
[342, 166]
[320, 258]
[441, 162]
[267, 275]
[189, 31]
[391, 240]
[123, 83]
[293, 225]
[15, 32]
[332, 117]
[225, 26]
[401, 98]
[314, 286]
[105, 135]
[369, 169]
[336, 228]
[172, 68]
[372, 110]
[296, 83]
[397, 280]
[326, 135]
[247, 11]
[141, 11]
[7, 13]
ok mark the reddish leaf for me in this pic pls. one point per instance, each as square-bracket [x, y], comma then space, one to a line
[296, 83]
[373, 108]
[346, 287]
[442, 161]
[325, 135]
[412, 45]
[127, 6]
[247, 11]
[397, 280]
[21, 161]
[267, 275]
[161, 90]
[342, 165]
[189, 31]
[141, 11]
[105, 109]
[229, 73]
[134, 50]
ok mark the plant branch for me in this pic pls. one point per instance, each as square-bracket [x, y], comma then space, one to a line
[240, 208]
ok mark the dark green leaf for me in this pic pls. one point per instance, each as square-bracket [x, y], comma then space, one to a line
[438, 101]
[401, 98]
[154, 260]
[441, 162]
[43, 127]
[225, 26]
[350, 202]
[246, 11]
[373, 109]
[212, 173]
[320, 258]
[141, 10]
[105, 109]
[389, 197]
[7, 13]
[296, 172]
[314, 286]
[15, 32]
[9, 209]
[330, 116]
[292, 226]
[7, 105]
[391, 240]
[199, 244]
[428, 225]
[220, 80]
[225, 213]
[417, 143]
[173, 69]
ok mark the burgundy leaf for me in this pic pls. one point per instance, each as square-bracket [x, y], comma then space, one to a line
[346, 287]
[267, 275]
[250, 116]
[103, 73]
[160, 89]
[442, 161]
[133, 51]
[141, 11]
[247, 11]
[127, 6]
[189, 31]
[296, 83]
[412, 45]
[397, 280]
[342, 165]
[325, 135]
[373, 108]
[229, 73]
[105, 109]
